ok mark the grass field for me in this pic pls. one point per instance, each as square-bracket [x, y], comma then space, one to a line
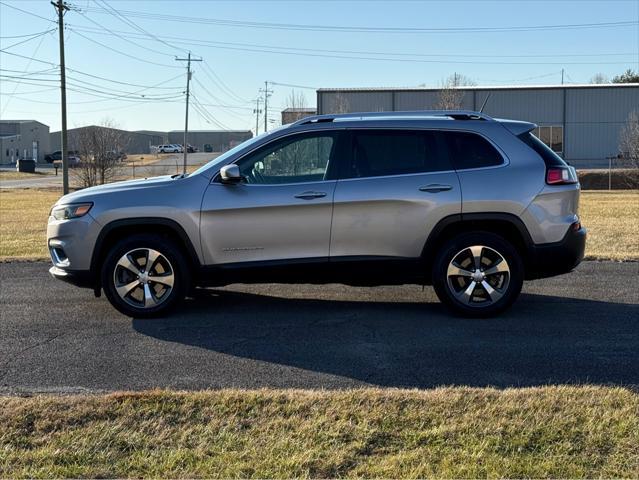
[454, 433]
[15, 175]
[612, 220]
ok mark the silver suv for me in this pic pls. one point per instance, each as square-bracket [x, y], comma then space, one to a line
[456, 199]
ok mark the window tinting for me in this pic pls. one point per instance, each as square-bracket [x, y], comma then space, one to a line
[382, 152]
[551, 159]
[469, 150]
[300, 159]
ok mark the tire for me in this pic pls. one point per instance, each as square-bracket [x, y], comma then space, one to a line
[471, 291]
[137, 292]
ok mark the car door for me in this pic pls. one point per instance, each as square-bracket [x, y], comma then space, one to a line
[281, 210]
[394, 188]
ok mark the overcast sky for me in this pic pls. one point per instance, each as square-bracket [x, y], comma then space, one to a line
[244, 43]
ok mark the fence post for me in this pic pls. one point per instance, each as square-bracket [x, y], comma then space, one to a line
[609, 173]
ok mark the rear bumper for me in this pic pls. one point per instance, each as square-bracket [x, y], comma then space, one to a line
[552, 259]
[79, 278]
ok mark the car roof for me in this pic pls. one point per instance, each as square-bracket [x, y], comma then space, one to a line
[418, 116]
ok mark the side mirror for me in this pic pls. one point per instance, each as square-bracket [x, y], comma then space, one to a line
[230, 174]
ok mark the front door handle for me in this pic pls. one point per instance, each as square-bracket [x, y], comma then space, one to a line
[435, 188]
[310, 195]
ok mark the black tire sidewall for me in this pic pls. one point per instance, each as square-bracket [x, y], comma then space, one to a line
[454, 246]
[167, 248]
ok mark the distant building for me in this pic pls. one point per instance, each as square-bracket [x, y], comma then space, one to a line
[132, 142]
[290, 115]
[23, 139]
[219, 140]
[582, 123]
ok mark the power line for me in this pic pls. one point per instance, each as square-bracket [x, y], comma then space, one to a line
[32, 35]
[377, 56]
[137, 27]
[221, 83]
[27, 12]
[102, 27]
[120, 52]
[370, 29]
[31, 59]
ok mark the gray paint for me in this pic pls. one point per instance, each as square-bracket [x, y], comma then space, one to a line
[593, 116]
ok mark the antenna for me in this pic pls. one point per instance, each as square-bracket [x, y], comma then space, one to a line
[481, 110]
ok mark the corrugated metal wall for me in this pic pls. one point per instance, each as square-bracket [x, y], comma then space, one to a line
[594, 117]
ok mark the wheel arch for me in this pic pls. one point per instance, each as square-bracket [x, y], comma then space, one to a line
[506, 225]
[118, 229]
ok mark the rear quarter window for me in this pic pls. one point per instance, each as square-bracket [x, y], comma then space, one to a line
[470, 150]
[550, 158]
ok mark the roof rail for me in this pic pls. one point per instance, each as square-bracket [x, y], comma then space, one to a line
[454, 114]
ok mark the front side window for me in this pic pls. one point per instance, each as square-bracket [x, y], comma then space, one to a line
[378, 153]
[469, 150]
[303, 158]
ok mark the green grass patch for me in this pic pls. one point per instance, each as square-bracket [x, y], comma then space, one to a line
[450, 432]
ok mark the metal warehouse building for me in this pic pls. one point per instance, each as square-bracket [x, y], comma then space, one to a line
[582, 123]
[219, 140]
[23, 139]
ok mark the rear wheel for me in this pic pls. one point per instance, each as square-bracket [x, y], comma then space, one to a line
[145, 276]
[478, 274]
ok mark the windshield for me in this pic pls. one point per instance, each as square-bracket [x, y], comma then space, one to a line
[213, 164]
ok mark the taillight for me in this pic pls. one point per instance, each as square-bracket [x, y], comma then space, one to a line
[561, 175]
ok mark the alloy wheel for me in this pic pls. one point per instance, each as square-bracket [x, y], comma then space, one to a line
[143, 278]
[478, 276]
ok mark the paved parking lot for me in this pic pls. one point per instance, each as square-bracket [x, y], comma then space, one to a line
[582, 327]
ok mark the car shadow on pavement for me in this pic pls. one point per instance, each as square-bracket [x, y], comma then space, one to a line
[542, 340]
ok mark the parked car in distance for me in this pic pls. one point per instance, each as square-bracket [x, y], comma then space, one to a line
[169, 148]
[57, 155]
[191, 149]
[455, 199]
[208, 148]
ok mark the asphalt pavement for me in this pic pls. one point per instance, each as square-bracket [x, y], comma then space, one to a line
[581, 327]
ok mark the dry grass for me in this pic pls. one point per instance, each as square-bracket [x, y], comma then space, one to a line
[23, 222]
[15, 175]
[612, 220]
[453, 432]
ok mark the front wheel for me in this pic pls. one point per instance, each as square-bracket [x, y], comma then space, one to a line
[145, 276]
[478, 274]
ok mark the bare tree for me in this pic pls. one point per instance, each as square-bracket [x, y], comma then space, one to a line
[599, 78]
[451, 96]
[340, 104]
[296, 100]
[629, 142]
[100, 150]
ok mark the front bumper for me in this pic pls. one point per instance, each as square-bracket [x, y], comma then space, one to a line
[550, 259]
[79, 278]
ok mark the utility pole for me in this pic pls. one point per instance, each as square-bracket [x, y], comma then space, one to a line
[562, 76]
[61, 9]
[267, 93]
[257, 112]
[186, 117]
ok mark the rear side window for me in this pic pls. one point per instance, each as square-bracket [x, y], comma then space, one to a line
[377, 153]
[551, 159]
[469, 150]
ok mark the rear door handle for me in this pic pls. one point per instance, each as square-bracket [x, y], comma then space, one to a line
[435, 188]
[310, 195]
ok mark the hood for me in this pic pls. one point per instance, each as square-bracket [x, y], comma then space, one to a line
[87, 194]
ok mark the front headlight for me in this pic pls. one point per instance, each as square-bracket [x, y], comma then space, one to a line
[74, 210]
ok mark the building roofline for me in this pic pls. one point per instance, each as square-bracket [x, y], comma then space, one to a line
[481, 87]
